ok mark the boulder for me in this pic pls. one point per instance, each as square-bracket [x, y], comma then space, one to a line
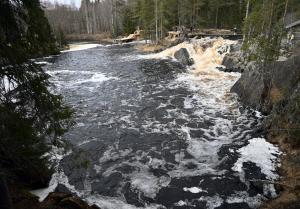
[73, 203]
[161, 69]
[223, 49]
[183, 56]
[264, 87]
[232, 63]
[65, 201]
[251, 88]
[235, 47]
[63, 189]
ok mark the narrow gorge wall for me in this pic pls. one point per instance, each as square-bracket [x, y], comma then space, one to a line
[274, 90]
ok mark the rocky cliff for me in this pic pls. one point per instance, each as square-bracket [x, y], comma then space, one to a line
[274, 89]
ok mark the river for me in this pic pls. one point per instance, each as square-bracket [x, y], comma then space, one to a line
[151, 133]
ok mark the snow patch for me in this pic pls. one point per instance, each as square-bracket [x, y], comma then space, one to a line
[78, 47]
[193, 190]
[262, 153]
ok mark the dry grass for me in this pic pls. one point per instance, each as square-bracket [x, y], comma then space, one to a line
[290, 171]
[102, 37]
[276, 95]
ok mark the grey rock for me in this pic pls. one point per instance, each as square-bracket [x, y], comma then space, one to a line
[63, 189]
[235, 47]
[264, 87]
[224, 49]
[183, 56]
[108, 185]
[232, 63]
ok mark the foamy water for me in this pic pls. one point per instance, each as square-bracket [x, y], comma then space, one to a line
[159, 140]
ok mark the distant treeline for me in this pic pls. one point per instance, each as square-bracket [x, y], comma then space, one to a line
[119, 17]
[261, 21]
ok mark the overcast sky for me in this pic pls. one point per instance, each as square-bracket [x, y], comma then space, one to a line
[76, 2]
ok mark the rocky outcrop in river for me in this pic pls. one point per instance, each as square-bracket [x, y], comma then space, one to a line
[182, 55]
[234, 61]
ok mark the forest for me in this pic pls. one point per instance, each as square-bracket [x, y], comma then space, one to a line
[120, 17]
[53, 100]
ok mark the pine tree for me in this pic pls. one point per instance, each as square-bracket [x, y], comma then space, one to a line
[264, 30]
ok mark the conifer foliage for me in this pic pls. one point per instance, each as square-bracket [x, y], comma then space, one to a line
[32, 119]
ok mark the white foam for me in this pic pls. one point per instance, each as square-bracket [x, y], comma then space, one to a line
[262, 153]
[211, 101]
[56, 155]
[148, 183]
[212, 202]
[115, 203]
[42, 63]
[243, 197]
[96, 78]
[180, 203]
[88, 77]
[194, 190]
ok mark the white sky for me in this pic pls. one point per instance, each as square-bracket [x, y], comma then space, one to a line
[76, 2]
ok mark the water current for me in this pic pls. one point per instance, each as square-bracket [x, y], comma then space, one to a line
[152, 133]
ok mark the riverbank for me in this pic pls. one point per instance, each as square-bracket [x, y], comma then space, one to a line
[103, 38]
[160, 46]
[192, 137]
[275, 90]
[207, 54]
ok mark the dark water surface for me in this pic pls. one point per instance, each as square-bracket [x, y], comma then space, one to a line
[151, 135]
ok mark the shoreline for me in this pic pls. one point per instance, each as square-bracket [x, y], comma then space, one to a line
[289, 197]
[284, 200]
[278, 97]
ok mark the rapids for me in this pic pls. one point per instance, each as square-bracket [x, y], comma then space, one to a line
[152, 134]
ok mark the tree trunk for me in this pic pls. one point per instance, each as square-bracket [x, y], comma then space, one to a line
[247, 9]
[285, 10]
[217, 16]
[178, 10]
[247, 14]
[156, 22]
[271, 19]
[161, 26]
[112, 19]
[87, 17]
[5, 200]
[94, 20]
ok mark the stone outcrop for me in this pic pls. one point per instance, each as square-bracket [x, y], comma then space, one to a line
[234, 61]
[183, 56]
[264, 88]
[274, 89]
[161, 69]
